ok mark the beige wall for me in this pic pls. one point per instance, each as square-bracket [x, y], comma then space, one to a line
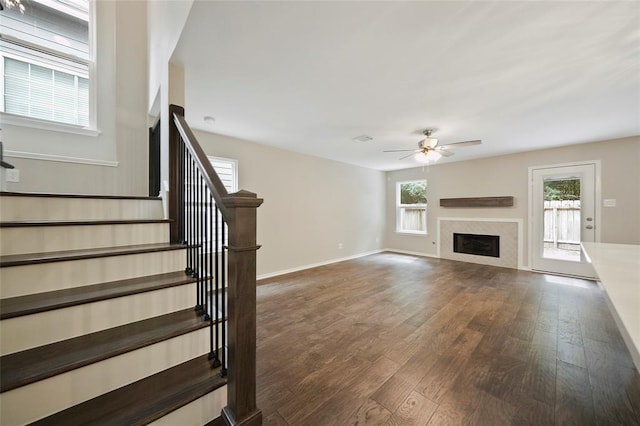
[310, 204]
[507, 175]
[121, 118]
[165, 22]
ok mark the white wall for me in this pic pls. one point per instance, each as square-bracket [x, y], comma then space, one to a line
[507, 175]
[310, 204]
[121, 63]
[165, 21]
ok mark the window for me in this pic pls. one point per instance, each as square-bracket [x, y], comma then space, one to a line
[199, 205]
[45, 60]
[227, 170]
[411, 211]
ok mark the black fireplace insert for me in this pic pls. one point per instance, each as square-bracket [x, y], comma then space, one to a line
[481, 245]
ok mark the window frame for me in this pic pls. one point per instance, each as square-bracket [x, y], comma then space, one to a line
[400, 206]
[25, 121]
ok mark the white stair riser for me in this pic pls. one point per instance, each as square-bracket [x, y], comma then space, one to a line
[29, 331]
[38, 278]
[197, 413]
[37, 400]
[61, 208]
[40, 239]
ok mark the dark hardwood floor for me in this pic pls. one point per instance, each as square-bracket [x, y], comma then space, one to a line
[391, 339]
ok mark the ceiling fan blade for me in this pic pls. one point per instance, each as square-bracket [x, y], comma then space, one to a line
[407, 156]
[458, 144]
[399, 150]
[444, 152]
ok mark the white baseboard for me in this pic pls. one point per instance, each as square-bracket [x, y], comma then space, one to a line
[415, 253]
[342, 259]
[412, 253]
[315, 265]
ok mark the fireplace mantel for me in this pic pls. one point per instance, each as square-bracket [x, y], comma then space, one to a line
[477, 202]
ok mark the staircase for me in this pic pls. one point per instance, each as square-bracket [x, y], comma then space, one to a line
[97, 319]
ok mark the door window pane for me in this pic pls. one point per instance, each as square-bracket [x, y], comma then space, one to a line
[562, 219]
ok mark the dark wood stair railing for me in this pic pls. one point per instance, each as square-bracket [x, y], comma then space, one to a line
[4, 164]
[206, 261]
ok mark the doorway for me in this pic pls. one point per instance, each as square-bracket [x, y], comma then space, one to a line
[563, 215]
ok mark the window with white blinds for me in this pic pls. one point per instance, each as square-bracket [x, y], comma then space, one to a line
[227, 170]
[45, 61]
[39, 92]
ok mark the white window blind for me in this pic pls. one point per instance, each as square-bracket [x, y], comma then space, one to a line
[227, 171]
[39, 92]
[45, 58]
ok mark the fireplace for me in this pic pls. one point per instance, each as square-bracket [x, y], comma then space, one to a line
[481, 245]
[509, 231]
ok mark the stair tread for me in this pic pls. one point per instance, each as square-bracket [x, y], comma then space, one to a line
[41, 302]
[146, 400]
[58, 256]
[31, 365]
[88, 196]
[27, 223]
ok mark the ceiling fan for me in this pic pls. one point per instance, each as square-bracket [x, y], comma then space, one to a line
[429, 151]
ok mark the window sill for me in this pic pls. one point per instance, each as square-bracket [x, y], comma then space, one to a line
[34, 123]
[412, 233]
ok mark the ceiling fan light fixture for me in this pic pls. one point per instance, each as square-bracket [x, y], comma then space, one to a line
[430, 142]
[429, 157]
[434, 156]
[429, 151]
[421, 157]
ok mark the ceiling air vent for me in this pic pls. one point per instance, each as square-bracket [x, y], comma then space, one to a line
[362, 138]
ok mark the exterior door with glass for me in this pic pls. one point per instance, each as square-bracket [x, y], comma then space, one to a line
[563, 214]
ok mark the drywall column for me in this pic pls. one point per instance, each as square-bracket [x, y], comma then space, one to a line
[165, 21]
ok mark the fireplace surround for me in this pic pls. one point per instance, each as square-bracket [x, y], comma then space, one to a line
[510, 231]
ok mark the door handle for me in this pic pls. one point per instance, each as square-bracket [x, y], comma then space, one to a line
[589, 226]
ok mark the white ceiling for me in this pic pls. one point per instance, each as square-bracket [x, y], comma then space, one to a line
[310, 76]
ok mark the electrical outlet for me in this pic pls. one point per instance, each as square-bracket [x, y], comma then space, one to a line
[611, 202]
[12, 175]
[340, 245]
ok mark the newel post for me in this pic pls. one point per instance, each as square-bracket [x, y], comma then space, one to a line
[176, 178]
[241, 324]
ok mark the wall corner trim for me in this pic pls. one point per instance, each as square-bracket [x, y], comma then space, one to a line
[60, 158]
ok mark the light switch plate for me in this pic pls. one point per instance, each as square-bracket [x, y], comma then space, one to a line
[610, 202]
[12, 175]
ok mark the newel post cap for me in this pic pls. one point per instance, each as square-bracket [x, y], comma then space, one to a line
[242, 198]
